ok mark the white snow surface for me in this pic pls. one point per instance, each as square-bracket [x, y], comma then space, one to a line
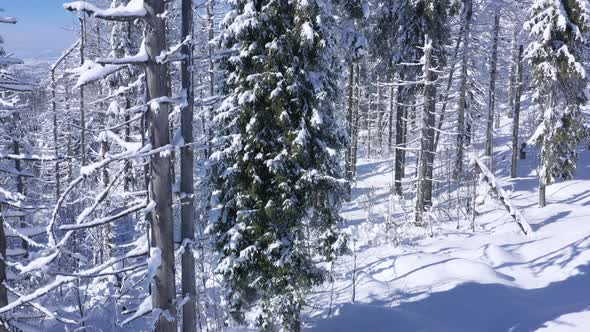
[493, 279]
[135, 8]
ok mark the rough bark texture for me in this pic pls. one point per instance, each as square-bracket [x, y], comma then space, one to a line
[187, 213]
[164, 289]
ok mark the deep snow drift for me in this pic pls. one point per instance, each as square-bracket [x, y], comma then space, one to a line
[493, 279]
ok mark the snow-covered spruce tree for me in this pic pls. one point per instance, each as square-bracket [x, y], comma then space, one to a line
[279, 175]
[556, 27]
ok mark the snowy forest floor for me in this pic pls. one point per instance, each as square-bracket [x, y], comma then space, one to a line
[493, 279]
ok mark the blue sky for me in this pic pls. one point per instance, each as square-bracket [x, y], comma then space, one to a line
[44, 28]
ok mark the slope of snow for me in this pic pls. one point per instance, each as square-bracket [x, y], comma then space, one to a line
[493, 279]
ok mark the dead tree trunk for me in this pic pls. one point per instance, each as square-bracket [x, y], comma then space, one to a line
[492, 91]
[3, 246]
[379, 120]
[348, 158]
[164, 290]
[20, 186]
[432, 150]
[487, 178]
[368, 121]
[461, 132]
[187, 213]
[516, 116]
[513, 69]
[55, 134]
[400, 126]
[427, 120]
[82, 111]
[356, 120]
[390, 120]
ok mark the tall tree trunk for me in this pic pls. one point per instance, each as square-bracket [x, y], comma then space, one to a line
[516, 116]
[431, 152]
[128, 173]
[349, 119]
[20, 186]
[357, 116]
[542, 194]
[426, 129]
[400, 123]
[82, 110]
[390, 120]
[164, 289]
[513, 68]
[3, 246]
[368, 121]
[461, 132]
[105, 253]
[492, 91]
[379, 119]
[55, 135]
[211, 32]
[187, 212]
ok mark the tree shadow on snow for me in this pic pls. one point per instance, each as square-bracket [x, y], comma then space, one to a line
[468, 307]
[550, 220]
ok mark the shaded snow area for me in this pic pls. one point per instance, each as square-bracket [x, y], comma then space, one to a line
[493, 279]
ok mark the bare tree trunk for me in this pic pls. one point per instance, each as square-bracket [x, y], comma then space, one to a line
[431, 152]
[187, 211]
[513, 68]
[390, 121]
[542, 194]
[379, 120]
[426, 138]
[349, 119]
[516, 117]
[164, 288]
[128, 175]
[55, 135]
[105, 252]
[356, 120]
[82, 111]
[400, 124]
[3, 246]
[20, 186]
[368, 120]
[70, 150]
[492, 92]
[461, 132]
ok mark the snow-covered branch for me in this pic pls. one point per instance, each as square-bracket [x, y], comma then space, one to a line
[133, 10]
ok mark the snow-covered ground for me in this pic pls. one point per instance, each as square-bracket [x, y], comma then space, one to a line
[493, 279]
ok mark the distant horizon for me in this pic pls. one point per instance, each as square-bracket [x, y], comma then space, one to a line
[42, 29]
